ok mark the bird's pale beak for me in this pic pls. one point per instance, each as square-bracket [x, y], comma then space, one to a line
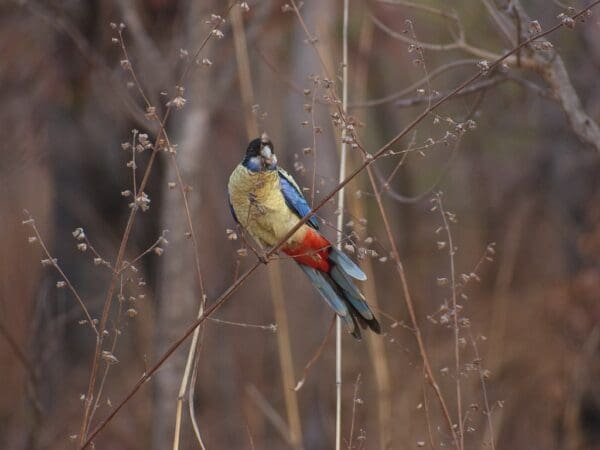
[268, 155]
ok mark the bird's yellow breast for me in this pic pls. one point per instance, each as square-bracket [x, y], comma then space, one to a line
[259, 206]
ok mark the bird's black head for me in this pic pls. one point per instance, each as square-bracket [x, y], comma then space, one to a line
[260, 155]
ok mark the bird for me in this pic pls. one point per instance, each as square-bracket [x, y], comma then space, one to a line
[267, 203]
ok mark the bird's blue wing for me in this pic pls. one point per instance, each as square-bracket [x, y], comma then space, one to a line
[294, 198]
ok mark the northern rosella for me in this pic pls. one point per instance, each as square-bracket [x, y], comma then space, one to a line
[267, 202]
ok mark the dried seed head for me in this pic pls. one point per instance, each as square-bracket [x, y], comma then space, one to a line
[78, 234]
[109, 357]
[535, 27]
[178, 102]
[484, 66]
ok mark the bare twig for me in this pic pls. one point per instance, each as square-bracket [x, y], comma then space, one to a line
[455, 310]
[486, 403]
[271, 327]
[458, 44]
[411, 89]
[54, 263]
[355, 401]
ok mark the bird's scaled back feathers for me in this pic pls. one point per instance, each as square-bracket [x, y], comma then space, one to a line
[268, 203]
[294, 198]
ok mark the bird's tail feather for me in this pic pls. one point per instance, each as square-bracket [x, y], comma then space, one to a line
[348, 266]
[340, 293]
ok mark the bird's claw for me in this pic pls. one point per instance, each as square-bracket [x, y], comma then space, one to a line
[263, 258]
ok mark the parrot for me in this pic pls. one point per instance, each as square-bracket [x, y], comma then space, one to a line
[266, 202]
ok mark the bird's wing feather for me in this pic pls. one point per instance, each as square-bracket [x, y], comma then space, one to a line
[294, 198]
[231, 209]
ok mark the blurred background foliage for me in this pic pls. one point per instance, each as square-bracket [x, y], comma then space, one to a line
[521, 179]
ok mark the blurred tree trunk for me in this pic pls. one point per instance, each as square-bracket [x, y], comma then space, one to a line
[179, 293]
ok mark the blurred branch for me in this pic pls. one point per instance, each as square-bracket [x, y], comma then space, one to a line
[434, 74]
[152, 57]
[501, 23]
[50, 261]
[62, 24]
[475, 87]
[425, 8]
[32, 376]
[271, 414]
[551, 68]
[459, 43]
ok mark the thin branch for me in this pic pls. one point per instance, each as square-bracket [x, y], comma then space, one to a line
[340, 223]
[412, 88]
[486, 403]
[458, 44]
[271, 327]
[54, 263]
[455, 310]
[191, 395]
[355, 401]
[475, 87]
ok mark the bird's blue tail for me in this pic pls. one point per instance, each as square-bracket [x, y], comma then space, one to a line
[340, 293]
